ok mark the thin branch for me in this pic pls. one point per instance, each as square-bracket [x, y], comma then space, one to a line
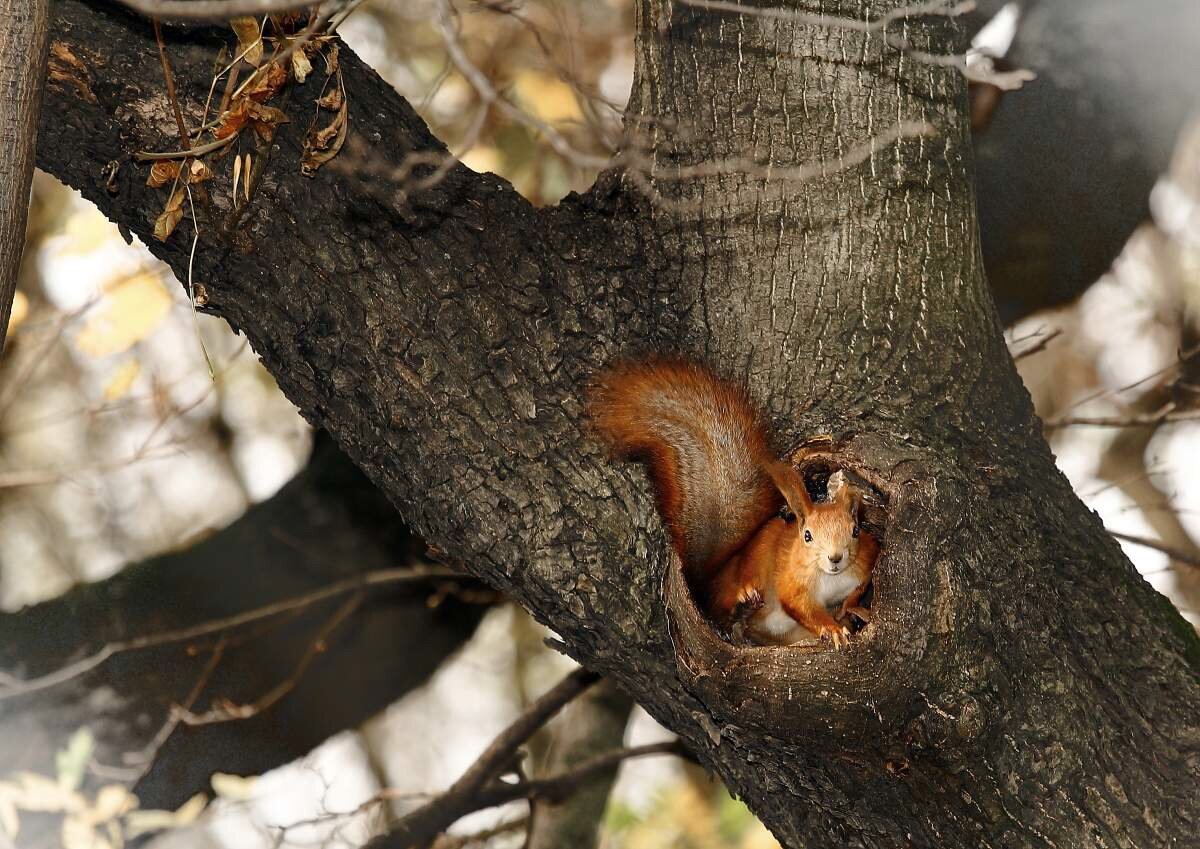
[379, 577]
[1038, 346]
[212, 10]
[434, 817]
[1174, 553]
[459, 841]
[227, 712]
[1164, 415]
[169, 79]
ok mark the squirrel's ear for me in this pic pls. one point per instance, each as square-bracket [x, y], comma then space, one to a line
[841, 491]
[791, 485]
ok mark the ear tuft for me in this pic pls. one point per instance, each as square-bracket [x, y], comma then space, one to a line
[837, 486]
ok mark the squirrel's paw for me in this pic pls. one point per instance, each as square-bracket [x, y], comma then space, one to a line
[749, 599]
[839, 635]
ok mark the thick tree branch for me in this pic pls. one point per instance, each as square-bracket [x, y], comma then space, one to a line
[446, 343]
[24, 29]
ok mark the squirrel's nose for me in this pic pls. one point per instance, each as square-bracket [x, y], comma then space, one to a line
[835, 558]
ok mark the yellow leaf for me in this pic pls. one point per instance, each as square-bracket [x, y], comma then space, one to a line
[87, 230]
[236, 787]
[249, 41]
[481, 159]
[20, 310]
[112, 801]
[122, 379]
[39, 793]
[128, 313]
[547, 97]
[78, 833]
[10, 822]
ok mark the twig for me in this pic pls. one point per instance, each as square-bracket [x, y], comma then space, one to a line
[458, 841]
[375, 578]
[1038, 346]
[409, 831]
[212, 10]
[169, 77]
[1146, 542]
[1164, 415]
[227, 712]
[461, 798]
[198, 150]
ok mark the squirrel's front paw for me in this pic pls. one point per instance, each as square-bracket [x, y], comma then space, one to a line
[749, 599]
[838, 634]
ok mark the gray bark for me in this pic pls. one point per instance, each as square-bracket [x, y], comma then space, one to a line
[24, 27]
[1020, 684]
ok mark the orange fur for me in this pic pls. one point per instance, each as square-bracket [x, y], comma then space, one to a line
[720, 489]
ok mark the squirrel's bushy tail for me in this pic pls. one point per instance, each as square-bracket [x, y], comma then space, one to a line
[706, 451]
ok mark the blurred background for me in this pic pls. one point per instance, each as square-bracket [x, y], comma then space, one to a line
[131, 427]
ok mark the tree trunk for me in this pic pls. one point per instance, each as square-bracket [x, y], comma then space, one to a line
[24, 26]
[1020, 684]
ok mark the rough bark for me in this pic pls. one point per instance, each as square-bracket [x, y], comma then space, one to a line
[24, 27]
[1020, 684]
[327, 524]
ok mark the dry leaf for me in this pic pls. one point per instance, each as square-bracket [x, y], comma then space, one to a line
[78, 833]
[324, 144]
[249, 40]
[162, 172]
[331, 60]
[236, 787]
[113, 800]
[198, 172]
[39, 793]
[237, 174]
[301, 67]
[171, 215]
[10, 821]
[267, 83]
[246, 182]
[331, 100]
[118, 387]
[233, 120]
[129, 312]
[64, 68]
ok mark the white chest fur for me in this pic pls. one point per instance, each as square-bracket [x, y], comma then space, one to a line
[831, 590]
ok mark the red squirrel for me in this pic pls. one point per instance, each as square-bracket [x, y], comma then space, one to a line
[720, 492]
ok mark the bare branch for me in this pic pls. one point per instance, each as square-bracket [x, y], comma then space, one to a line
[1174, 553]
[17, 687]
[1038, 346]
[212, 10]
[1164, 415]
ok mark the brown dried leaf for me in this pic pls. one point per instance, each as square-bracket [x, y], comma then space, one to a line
[237, 174]
[233, 120]
[301, 67]
[249, 41]
[268, 82]
[331, 100]
[63, 68]
[198, 172]
[323, 145]
[331, 60]
[171, 215]
[265, 119]
[162, 172]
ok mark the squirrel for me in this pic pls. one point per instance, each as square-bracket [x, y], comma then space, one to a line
[721, 493]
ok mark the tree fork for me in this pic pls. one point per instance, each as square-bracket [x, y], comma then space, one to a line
[1020, 685]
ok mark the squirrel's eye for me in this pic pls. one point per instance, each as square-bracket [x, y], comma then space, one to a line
[854, 533]
[807, 535]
